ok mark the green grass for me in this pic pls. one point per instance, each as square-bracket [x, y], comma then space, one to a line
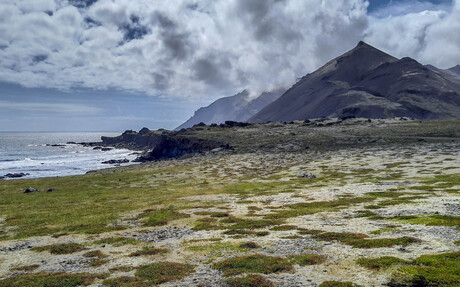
[284, 228]
[380, 263]
[148, 251]
[429, 270]
[307, 259]
[337, 284]
[249, 245]
[213, 214]
[85, 204]
[250, 281]
[358, 240]
[125, 281]
[439, 182]
[95, 253]
[161, 272]
[50, 280]
[216, 248]
[117, 241]
[58, 249]
[161, 217]
[25, 268]
[253, 264]
[430, 220]
[241, 223]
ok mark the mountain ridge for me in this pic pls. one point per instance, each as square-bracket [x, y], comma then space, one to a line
[367, 82]
[239, 107]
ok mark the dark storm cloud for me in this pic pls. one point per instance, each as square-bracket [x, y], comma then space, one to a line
[175, 41]
[210, 70]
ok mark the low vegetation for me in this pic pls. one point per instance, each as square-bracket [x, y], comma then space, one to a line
[337, 284]
[58, 249]
[50, 279]
[307, 259]
[253, 264]
[149, 251]
[429, 270]
[250, 281]
[358, 240]
[381, 263]
[117, 241]
[161, 272]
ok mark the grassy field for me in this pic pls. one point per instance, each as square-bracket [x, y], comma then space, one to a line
[372, 216]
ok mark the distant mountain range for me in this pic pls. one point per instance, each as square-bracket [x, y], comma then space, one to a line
[364, 82]
[239, 108]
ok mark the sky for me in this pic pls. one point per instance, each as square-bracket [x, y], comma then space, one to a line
[111, 65]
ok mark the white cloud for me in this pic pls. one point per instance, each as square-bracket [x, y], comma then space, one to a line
[56, 108]
[429, 36]
[201, 49]
[179, 48]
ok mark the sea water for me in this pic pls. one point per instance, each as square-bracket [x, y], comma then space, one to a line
[32, 153]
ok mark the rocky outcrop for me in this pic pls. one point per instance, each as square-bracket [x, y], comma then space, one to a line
[163, 144]
[14, 175]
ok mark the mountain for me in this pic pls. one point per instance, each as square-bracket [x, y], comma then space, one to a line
[237, 108]
[455, 69]
[366, 82]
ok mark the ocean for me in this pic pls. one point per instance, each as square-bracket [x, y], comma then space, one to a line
[32, 153]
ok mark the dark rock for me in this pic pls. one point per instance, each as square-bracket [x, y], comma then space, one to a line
[116, 161]
[56, 145]
[176, 146]
[97, 147]
[306, 175]
[30, 189]
[106, 149]
[51, 189]
[71, 143]
[14, 175]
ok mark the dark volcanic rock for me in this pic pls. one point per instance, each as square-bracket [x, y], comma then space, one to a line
[116, 161]
[30, 190]
[366, 82]
[177, 146]
[14, 175]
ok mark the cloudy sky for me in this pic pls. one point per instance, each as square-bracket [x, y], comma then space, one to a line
[110, 65]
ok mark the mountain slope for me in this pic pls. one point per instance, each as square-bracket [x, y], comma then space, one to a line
[366, 82]
[235, 108]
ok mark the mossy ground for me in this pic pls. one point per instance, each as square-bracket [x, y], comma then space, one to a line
[249, 216]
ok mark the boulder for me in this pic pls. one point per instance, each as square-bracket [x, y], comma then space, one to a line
[30, 190]
[306, 175]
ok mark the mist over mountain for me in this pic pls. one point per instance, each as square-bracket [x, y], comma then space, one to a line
[366, 82]
[239, 107]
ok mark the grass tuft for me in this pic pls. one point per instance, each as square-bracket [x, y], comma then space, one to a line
[149, 251]
[337, 284]
[253, 264]
[58, 249]
[125, 281]
[377, 264]
[358, 240]
[307, 259]
[250, 281]
[161, 272]
[51, 280]
[117, 241]
[249, 245]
